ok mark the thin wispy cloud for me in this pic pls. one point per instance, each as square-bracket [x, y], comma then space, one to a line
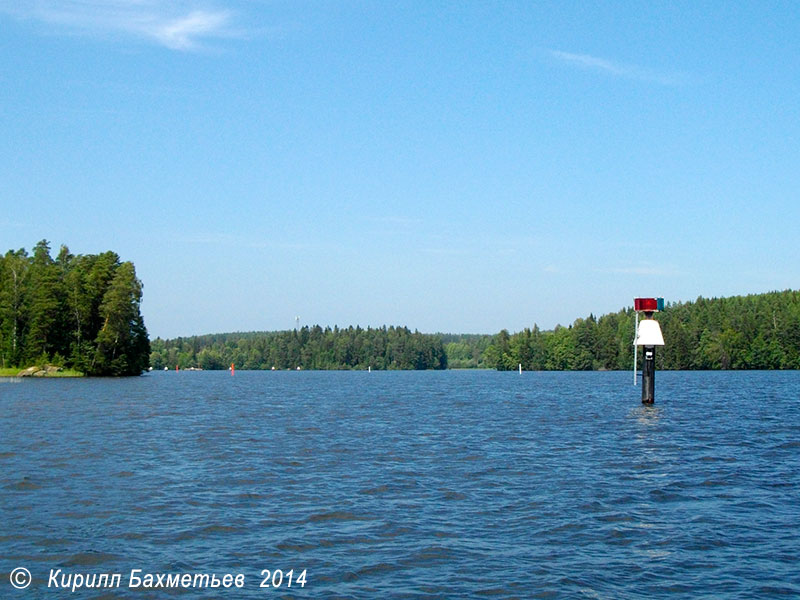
[184, 32]
[176, 24]
[616, 69]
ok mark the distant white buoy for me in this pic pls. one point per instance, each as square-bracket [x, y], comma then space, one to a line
[520, 368]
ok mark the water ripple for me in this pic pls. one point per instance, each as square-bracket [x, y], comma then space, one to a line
[411, 485]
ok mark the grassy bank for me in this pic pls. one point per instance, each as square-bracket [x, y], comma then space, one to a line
[15, 371]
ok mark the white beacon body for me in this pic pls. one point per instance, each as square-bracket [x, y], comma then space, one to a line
[649, 334]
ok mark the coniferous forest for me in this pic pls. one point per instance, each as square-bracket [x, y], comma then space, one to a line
[307, 348]
[759, 331]
[75, 311]
[742, 332]
[82, 312]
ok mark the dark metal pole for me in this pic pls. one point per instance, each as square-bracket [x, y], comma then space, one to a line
[649, 375]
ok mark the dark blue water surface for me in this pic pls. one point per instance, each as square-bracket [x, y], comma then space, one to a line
[407, 484]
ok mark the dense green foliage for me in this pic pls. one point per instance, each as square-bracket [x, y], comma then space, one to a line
[77, 311]
[307, 348]
[743, 332]
[82, 312]
[466, 351]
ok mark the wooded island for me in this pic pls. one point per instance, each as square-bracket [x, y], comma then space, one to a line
[80, 312]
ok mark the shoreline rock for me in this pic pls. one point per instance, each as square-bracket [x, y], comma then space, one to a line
[39, 371]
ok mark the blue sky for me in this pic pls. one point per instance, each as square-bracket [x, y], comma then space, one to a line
[449, 166]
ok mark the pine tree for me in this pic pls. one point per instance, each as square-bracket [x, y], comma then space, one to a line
[122, 344]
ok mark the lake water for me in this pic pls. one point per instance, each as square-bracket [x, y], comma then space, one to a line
[406, 484]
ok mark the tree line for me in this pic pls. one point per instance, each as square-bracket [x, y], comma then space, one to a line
[760, 331]
[307, 348]
[82, 312]
[76, 311]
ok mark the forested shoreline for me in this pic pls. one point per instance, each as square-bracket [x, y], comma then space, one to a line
[80, 312]
[760, 331]
[395, 348]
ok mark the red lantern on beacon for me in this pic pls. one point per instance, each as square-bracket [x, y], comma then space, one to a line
[648, 336]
